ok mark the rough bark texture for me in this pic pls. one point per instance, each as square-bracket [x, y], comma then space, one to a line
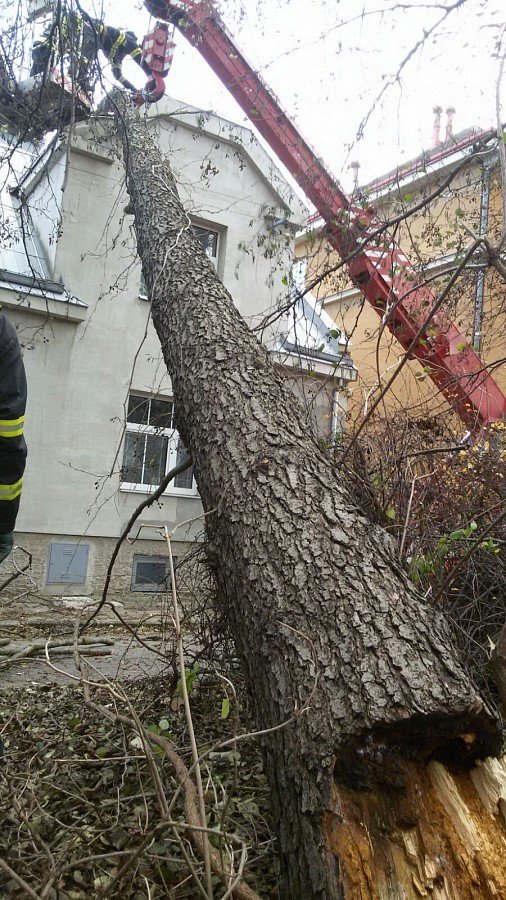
[498, 666]
[321, 612]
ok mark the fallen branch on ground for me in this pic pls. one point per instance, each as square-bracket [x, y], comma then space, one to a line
[89, 646]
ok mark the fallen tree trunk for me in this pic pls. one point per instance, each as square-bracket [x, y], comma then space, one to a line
[498, 666]
[333, 637]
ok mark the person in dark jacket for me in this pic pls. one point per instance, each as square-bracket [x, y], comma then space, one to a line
[62, 37]
[117, 44]
[86, 35]
[12, 442]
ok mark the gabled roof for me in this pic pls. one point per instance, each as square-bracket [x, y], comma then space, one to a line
[202, 122]
[208, 122]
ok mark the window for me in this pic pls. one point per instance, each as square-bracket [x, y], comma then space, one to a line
[153, 446]
[150, 573]
[298, 274]
[20, 250]
[208, 238]
[143, 289]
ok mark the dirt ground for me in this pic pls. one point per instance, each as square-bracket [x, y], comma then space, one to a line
[127, 661]
[32, 618]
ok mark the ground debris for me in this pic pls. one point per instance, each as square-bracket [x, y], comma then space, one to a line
[11, 651]
[77, 798]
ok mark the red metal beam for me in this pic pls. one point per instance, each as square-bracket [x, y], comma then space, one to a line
[377, 266]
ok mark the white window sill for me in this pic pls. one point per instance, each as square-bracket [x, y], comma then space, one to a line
[128, 488]
[47, 303]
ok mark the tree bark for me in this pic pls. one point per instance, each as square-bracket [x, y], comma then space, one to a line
[498, 666]
[333, 637]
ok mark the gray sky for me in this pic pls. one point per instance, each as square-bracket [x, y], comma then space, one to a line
[334, 65]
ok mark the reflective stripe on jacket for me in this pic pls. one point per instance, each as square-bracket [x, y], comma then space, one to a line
[116, 44]
[12, 416]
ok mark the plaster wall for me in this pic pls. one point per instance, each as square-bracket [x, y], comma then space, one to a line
[81, 371]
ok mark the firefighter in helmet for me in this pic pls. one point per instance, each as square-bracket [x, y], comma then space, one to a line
[117, 44]
[80, 38]
[61, 37]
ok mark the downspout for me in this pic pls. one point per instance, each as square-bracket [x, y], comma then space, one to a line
[486, 167]
[339, 404]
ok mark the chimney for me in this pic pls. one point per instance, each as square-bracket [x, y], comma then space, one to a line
[355, 166]
[450, 112]
[436, 136]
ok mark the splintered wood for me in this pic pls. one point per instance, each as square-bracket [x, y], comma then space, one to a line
[442, 836]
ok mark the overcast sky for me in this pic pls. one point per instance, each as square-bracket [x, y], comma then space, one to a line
[334, 65]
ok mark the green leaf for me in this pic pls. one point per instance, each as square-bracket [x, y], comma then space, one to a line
[225, 708]
[189, 677]
[408, 198]
[101, 752]
[284, 279]
[390, 512]
[334, 333]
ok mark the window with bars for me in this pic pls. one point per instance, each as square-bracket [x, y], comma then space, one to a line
[150, 573]
[153, 446]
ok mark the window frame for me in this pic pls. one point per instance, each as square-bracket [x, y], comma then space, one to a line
[143, 289]
[143, 587]
[215, 229]
[216, 260]
[173, 439]
[21, 255]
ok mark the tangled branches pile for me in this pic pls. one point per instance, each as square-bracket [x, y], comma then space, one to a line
[82, 796]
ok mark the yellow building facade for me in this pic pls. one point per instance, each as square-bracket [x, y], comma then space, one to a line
[439, 203]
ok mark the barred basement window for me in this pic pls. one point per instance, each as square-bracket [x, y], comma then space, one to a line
[150, 573]
[153, 447]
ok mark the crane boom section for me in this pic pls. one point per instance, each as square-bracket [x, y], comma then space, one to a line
[377, 266]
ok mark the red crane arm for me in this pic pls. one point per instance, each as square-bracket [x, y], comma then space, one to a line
[377, 266]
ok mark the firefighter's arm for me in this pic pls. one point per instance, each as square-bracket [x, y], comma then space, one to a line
[118, 75]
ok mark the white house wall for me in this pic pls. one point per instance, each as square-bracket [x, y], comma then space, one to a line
[45, 206]
[80, 373]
